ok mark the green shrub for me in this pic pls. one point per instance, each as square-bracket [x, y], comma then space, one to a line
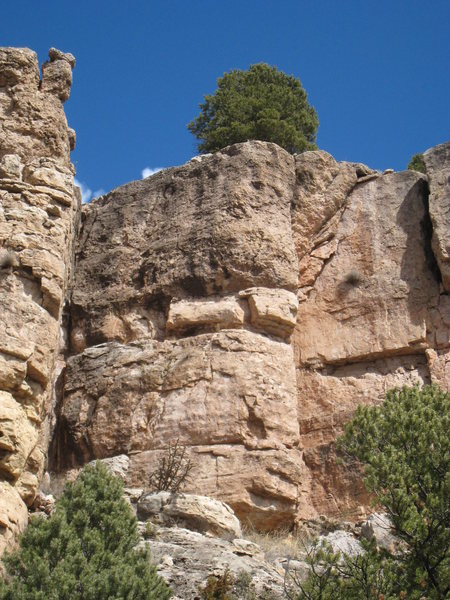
[85, 550]
[403, 447]
[261, 103]
[417, 164]
[372, 575]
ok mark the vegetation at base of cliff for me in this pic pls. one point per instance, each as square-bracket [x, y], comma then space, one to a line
[372, 575]
[173, 470]
[417, 164]
[230, 587]
[261, 103]
[85, 550]
[403, 447]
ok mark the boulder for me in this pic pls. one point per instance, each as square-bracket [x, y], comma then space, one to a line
[379, 528]
[197, 513]
[343, 542]
[117, 465]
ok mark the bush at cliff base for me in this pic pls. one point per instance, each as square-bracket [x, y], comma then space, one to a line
[85, 550]
[403, 447]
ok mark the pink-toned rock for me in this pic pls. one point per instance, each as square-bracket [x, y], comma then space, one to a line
[228, 388]
[188, 287]
[371, 312]
[197, 331]
[327, 398]
[217, 227]
[373, 296]
[260, 485]
[439, 365]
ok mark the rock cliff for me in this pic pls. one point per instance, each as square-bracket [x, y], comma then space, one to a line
[243, 304]
[38, 217]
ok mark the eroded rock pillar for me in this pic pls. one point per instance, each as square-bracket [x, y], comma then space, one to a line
[38, 215]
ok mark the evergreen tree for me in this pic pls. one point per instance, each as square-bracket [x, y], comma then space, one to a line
[371, 575]
[261, 103]
[417, 164]
[85, 550]
[403, 447]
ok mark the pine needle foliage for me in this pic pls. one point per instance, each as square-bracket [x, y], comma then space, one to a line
[403, 447]
[417, 163]
[371, 575]
[85, 550]
[261, 103]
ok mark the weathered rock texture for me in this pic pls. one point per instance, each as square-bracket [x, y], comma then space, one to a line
[243, 304]
[200, 513]
[370, 310]
[437, 162]
[38, 212]
[186, 559]
[181, 320]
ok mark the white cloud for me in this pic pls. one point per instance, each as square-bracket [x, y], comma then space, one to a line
[86, 193]
[148, 171]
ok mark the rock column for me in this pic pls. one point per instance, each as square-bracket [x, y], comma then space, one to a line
[38, 216]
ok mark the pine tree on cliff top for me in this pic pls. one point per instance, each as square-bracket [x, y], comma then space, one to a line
[261, 103]
[85, 550]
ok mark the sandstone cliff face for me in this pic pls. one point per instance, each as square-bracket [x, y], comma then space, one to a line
[245, 304]
[182, 309]
[372, 315]
[38, 213]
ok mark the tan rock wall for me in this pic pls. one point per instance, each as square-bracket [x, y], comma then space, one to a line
[371, 314]
[437, 162]
[245, 304]
[38, 214]
[188, 279]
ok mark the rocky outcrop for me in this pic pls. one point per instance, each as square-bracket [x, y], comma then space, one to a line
[38, 215]
[181, 320]
[186, 559]
[244, 305]
[198, 513]
[369, 312]
[241, 305]
[205, 229]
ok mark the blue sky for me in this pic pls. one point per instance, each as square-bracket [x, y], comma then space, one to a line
[377, 72]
